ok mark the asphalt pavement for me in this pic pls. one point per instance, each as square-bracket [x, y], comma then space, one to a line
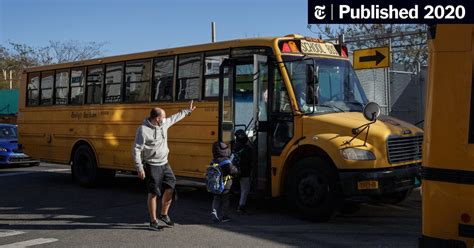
[42, 207]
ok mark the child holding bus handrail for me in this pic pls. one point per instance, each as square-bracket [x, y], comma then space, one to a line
[242, 151]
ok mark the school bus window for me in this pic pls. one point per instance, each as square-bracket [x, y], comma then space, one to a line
[243, 94]
[262, 80]
[113, 83]
[282, 117]
[95, 77]
[162, 89]
[33, 89]
[77, 86]
[281, 101]
[211, 74]
[62, 87]
[330, 88]
[244, 80]
[189, 77]
[137, 81]
[339, 88]
[46, 93]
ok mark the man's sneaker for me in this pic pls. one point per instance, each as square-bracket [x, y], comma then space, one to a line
[225, 219]
[241, 210]
[166, 219]
[214, 217]
[154, 226]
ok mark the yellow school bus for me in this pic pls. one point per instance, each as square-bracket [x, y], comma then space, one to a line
[296, 97]
[448, 160]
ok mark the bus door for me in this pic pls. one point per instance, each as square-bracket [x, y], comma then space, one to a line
[243, 104]
[226, 121]
[260, 111]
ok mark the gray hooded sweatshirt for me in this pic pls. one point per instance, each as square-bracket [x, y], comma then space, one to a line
[151, 141]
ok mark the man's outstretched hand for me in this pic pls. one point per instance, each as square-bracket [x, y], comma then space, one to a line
[191, 107]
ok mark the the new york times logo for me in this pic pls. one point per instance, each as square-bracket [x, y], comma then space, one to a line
[373, 11]
[319, 12]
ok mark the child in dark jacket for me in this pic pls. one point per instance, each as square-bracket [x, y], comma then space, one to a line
[221, 152]
[243, 153]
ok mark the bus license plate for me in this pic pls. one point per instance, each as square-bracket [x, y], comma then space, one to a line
[367, 185]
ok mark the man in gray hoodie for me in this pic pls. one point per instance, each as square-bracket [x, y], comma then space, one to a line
[150, 153]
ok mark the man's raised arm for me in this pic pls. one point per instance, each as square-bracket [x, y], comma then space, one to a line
[181, 114]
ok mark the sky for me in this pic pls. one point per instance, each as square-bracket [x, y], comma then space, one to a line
[129, 26]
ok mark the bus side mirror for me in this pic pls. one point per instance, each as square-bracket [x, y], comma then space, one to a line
[311, 84]
[371, 111]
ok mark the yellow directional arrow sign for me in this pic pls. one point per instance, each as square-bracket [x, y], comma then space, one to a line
[378, 57]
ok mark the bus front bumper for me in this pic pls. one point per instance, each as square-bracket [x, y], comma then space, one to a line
[380, 182]
[11, 158]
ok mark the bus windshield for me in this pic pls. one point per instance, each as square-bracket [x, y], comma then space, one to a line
[7, 132]
[339, 87]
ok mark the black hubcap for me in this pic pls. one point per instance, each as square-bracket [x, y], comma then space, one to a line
[312, 190]
[83, 165]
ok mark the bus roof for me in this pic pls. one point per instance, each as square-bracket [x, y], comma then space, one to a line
[260, 41]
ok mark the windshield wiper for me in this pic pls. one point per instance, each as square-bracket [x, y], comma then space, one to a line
[355, 103]
[299, 59]
[331, 106]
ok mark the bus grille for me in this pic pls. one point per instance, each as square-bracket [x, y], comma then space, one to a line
[19, 159]
[404, 149]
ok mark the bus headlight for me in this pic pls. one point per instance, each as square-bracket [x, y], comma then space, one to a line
[357, 154]
[3, 149]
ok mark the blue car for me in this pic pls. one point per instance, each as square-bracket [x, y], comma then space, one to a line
[10, 152]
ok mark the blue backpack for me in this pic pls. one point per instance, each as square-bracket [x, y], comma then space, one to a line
[215, 181]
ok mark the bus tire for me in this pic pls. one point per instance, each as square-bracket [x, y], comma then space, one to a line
[84, 167]
[312, 189]
[393, 198]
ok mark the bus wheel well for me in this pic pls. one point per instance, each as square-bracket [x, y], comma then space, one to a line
[302, 152]
[76, 146]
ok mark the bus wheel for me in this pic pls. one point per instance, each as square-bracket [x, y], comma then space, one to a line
[312, 188]
[393, 198]
[84, 167]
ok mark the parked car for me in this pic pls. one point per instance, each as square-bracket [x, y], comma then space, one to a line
[10, 151]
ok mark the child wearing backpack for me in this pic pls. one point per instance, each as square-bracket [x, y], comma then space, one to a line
[219, 181]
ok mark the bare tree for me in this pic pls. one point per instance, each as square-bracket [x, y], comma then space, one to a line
[73, 50]
[15, 59]
[409, 41]
[17, 56]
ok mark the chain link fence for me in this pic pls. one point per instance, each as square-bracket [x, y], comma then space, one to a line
[399, 89]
